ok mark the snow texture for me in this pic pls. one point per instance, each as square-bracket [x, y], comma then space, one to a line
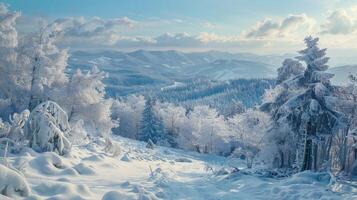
[163, 173]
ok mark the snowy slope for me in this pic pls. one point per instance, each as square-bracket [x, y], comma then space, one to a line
[161, 173]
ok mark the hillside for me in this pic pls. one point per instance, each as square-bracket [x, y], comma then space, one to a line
[221, 95]
[162, 173]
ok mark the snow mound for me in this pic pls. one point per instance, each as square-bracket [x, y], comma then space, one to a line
[63, 190]
[114, 195]
[84, 169]
[50, 163]
[12, 184]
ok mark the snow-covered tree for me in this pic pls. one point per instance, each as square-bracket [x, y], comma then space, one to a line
[48, 129]
[12, 90]
[210, 133]
[83, 98]
[151, 126]
[31, 66]
[249, 129]
[289, 69]
[45, 65]
[129, 111]
[307, 112]
[174, 118]
[348, 105]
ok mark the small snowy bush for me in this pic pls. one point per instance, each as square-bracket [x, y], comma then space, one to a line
[12, 184]
[48, 128]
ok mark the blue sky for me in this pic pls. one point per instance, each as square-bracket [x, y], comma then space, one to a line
[261, 26]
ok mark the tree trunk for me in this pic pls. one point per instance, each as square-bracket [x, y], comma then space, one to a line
[308, 151]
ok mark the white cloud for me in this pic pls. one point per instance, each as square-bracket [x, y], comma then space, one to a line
[269, 28]
[267, 36]
[95, 28]
[341, 21]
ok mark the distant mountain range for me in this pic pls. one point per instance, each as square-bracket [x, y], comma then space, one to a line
[136, 71]
[140, 70]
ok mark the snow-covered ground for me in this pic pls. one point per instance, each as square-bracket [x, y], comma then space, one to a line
[160, 173]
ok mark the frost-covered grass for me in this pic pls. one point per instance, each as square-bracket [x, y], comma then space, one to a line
[160, 173]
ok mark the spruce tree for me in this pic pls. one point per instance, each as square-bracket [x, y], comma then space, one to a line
[306, 114]
[151, 126]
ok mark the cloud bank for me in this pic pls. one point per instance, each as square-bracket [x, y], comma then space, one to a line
[269, 35]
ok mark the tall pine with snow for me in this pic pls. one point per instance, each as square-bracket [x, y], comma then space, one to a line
[307, 117]
[151, 126]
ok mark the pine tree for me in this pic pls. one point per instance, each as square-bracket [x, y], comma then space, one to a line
[151, 126]
[308, 118]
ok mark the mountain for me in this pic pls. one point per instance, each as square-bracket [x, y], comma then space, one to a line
[231, 69]
[341, 73]
[131, 72]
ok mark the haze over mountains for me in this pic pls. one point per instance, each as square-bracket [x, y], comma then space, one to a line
[130, 72]
[139, 70]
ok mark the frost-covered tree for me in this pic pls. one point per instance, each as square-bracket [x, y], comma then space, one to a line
[31, 66]
[13, 89]
[249, 129]
[307, 112]
[129, 111]
[210, 133]
[45, 65]
[173, 118]
[48, 129]
[289, 69]
[83, 98]
[151, 126]
[348, 106]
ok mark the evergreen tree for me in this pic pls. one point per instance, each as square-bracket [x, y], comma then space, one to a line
[151, 125]
[306, 114]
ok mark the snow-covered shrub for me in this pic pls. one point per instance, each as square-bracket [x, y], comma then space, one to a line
[12, 183]
[47, 128]
[17, 122]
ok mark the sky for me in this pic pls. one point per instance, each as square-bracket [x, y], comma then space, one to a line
[256, 26]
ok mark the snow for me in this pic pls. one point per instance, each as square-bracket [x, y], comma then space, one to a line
[174, 85]
[12, 183]
[88, 172]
